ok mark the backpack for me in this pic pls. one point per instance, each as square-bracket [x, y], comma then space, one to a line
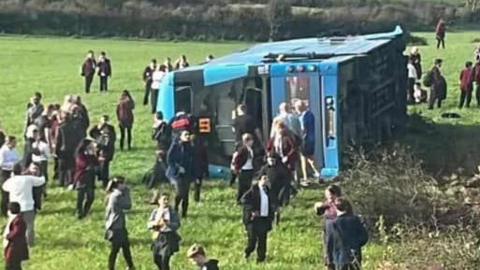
[428, 79]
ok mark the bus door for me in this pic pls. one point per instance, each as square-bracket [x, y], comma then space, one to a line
[300, 82]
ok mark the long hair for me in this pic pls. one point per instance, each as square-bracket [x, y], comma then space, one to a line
[83, 146]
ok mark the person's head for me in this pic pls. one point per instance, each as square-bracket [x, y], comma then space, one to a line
[32, 131]
[163, 200]
[117, 182]
[197, 254]
[168, 60]
[468, 64]
[299, 106]
[37, 97]
[414, 50]
[343, 206]
[185, 136]
[14, 208]
[263, 181]
[280, 128]
[284, 107]
[241, 109]
[332, 192]
[272, 159]
[410, 60]
[77, 99]
[162, 68]
[247, 139]
[104, 119]
[17, 169]
[90, 54]
[86, 146]
[183, 57]
[438, 62]
[126, 94]
[11, 142]
[104, 54]
[418, 85]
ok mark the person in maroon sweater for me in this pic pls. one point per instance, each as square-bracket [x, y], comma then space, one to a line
[16, 249]
[125, 118]
[440, 33]
[88, 70]
[466, 85]
[84, 178]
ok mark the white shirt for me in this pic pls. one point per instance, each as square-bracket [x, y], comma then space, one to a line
[44, 151]
[263, 202]
[8, 158]
[412, 72]
[157, 77]
[20, 188]
[249, 163]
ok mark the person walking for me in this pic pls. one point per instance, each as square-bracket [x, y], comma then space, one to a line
[412, 78]
[157, 77]
[197, 254]
[416, 58]
[118, 200]
[125, 118]
[164, 223]
[40, 156]
[20, 189]
[181, 62]
[104, 71]
[437, 85]
[243, 165]
[466, 85]
[148, 79]
[180, 159]
[84, 178]
[291, 121]
[8, 158]
[257, 217]
[88, 70]
[283, 145]
[35, 110]
[161, 132]
[15, 241]
[440, 32]
[104, 136]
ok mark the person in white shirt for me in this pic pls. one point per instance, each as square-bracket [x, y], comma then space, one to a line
[412, 78]
[40, 156]
[8, 158]
[286, 116]
[258, 213]
[243, 165]
[20, 189]
[157, 77]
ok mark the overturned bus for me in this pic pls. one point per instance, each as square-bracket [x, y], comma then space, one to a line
[354, 85]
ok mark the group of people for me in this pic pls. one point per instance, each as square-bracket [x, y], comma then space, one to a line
[102, 67]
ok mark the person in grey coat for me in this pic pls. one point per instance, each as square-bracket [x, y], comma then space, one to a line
[115, 225]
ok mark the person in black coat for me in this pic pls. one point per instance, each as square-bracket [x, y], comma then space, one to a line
[197, 255]
[104, 71]
[66, 143]
[258, 212]
[180, 171]
[147, 79]
[88, 70]
[104, 135]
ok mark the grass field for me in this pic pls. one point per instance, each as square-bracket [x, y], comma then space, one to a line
[51, 65]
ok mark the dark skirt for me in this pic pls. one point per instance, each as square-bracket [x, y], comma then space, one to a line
[117, 236]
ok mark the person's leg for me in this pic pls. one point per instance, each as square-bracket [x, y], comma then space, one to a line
[61, 172]
[44, 170]
[178, 196]
[106, 84]
[29, 217]
[147, 93]
[251, 240]
[469, 97]
[55, 168]
[185, 196]
[154, 100]
[303, 164]
[244, 182]
[112, 258]
[89, 198]
[127, 254]
[129, 138]
[443, 43]
[122, 136]
[262, 246]
[411, 84]
[431, 98]
[104, 172]
[311, 162]
[166, 263]
[438, 43]
[462, 99]
[80, 200]
[4, 203]
[439, 103]
[198, 188]
[233, 178]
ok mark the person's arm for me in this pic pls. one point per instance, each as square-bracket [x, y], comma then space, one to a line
[17, 230]
[171, 156]
[125, 201]
[259, 135]
[174, 223]
[36, 180]
[152, 222]
[7, 185]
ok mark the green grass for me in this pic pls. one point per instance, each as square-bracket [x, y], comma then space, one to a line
[51, 65]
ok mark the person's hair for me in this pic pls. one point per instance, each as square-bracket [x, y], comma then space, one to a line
[90, 51]
[14, 208]
[159, 115]
[162, 67]
[438, 61]
[468, 64]
[280, 124]
[154, 61]
[11, 138]
[126, 93]
[106, 117]
[335, 190]
[37, 95]
[17, 169]
[195, 250]
[114, 182]
[103, 53]
[418, 84]
[83, 146]
[242, 108]
[246, 137]
[344, 205]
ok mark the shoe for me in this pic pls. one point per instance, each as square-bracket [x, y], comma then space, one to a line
[247, 255]
[316, 175]
[260, 260]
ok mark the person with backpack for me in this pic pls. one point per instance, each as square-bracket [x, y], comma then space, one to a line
[466, 85]
[438, 88]
[348, 236]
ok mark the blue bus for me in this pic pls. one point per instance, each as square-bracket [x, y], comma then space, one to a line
[354, 85]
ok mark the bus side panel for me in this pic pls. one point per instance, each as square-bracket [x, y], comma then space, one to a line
[165, 101]
[331, 120]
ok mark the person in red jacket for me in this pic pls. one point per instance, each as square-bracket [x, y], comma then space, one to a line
[283, 144]
[84, 178]
[440, 33]
[466, 85]
[476, 79]
[125, 118]
[15, 241]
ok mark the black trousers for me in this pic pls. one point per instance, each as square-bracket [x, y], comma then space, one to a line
[148, 89]
[5, 196]
[85, 197]
[440, 41]
[244, 182]
[162, 262]
[13, 266]
[103, 83]
[122, 137]
[465, 95]
[55, 168]
[88, 82]
[411, 84]
[153, 101]
[182, 189]
[127, 254]
[65, 172]
[198, 189]
[104, 173]
[477, 94]
[257, 233]
[434, 98]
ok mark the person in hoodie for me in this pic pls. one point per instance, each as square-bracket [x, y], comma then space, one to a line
[197, 254]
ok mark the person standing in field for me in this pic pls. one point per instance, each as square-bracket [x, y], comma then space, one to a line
[35, 110]
[440, 32]
[40, 156]
[88, 70]
[104, 71]
[243, 165]
[15, 241]
[434, 79]
[168, 64]
[148, 79]
[466, 85]
[476, 78]
[198, 255]
[412, 78]
[84, 178]
[291, 120]
[118, 200]
[164, 224]
[20, 189]
[416, 61]
[66, 143]
[8, 158]
[104, 136]
[125, 118]
[157, 78]
[181, 62]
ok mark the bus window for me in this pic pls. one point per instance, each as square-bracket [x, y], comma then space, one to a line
[298, 87]
[183, 99]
